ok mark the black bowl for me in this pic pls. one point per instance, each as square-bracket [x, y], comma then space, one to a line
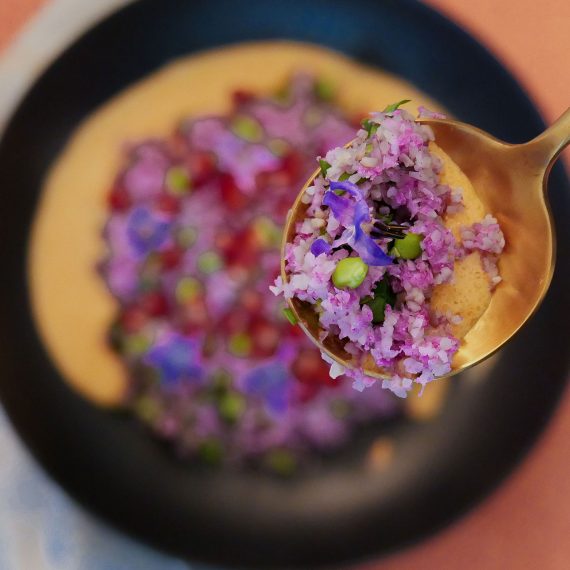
[336, 513]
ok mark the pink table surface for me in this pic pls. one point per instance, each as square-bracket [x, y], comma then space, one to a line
[526, 523]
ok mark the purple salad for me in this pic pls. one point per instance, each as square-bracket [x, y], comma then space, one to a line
[193, 240]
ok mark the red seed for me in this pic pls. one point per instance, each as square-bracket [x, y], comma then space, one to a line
[119, 199]
[202, 166]
[168, 204]
[309, 368]
[231, 194]
[241, 96]
[171, 257]
[133, 319]
[292, 165]
[265, 337]
[154, 304]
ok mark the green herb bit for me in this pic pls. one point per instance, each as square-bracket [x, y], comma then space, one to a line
[231, 407]
[369, 126]
[382, 296]
[281, 462]
[186, 236]
[188, 289]
[240, 344]
[211, 451]
[177, 180]
[325, 89]
[324, 166]
[344, 176]
[391, 108]
[247, 128]
[289, 315]
[278, 147]
[350, 272]
[209, 262]
[408, 247]
[146, 408]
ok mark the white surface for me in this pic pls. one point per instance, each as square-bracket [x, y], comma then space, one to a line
[40, 527]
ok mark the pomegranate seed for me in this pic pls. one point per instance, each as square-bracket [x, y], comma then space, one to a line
[309, 368]
[168, 204]
[154, 304]
[202, 166]
[231, 194]
[265, 338]
[119, 199]
[170, 258]
[241, 96]
[292, 165]
[133, 319]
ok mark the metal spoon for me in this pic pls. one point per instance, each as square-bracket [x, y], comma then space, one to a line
[511, 181]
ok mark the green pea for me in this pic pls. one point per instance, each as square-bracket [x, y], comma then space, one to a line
[278, 147]
[209, 262]
[231, 406]
[409, 247]
[288, 314]
[325, 90]
[281, 462]
[247, 128]
[187, 236]
[146, 408]
[349, 272]
[136, 345]
[187, 289]
[211, 451]
[240, 344]
[177, 180]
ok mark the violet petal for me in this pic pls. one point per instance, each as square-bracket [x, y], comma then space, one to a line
[320, 246]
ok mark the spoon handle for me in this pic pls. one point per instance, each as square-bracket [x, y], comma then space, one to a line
[546, 147]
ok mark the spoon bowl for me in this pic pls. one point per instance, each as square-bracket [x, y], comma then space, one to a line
[511, 181]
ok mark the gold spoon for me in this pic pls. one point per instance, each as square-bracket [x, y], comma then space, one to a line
[511, 181]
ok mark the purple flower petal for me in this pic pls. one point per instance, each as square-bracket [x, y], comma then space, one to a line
[145, 231]
[175, 357]
[370, 252]
[269, 381]
[320, 246]
[339, 205]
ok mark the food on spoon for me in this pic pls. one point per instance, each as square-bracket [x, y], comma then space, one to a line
[393, 253]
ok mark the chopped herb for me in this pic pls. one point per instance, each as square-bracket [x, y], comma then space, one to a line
[231, 406]
[281, 462]
[382, 296]
[211, 451]
[344, 176]
[324, 166]
[369, 126]
[247, 128]
[288, 314]
[391, 108]
[325, 90]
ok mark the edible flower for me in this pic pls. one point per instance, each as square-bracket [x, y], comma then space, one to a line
[341, 206]
[175, 357]
[320, 246]
[269, 381]
[146, 232]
